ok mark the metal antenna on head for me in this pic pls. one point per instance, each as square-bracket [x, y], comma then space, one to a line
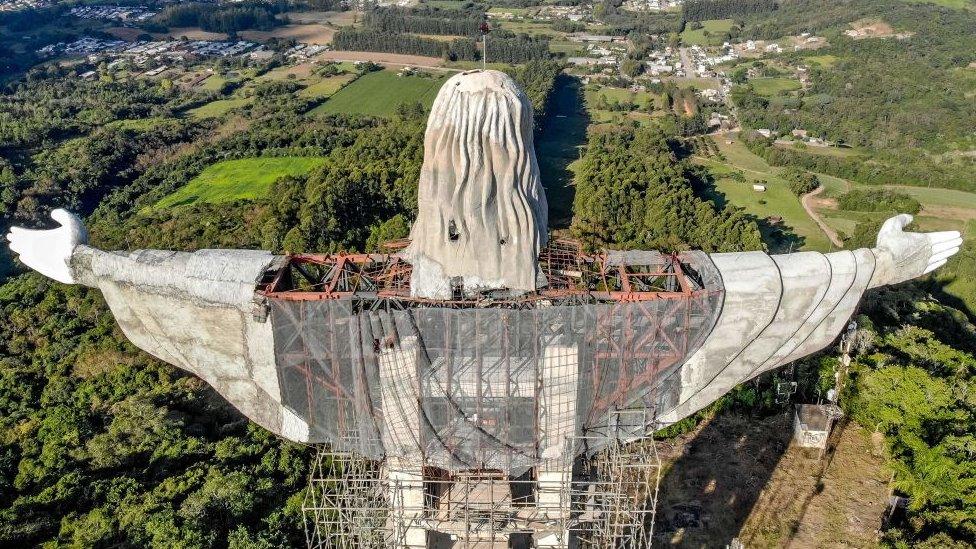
[485, 29]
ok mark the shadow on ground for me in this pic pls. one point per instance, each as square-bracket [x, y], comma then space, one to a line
[716, 477]
[559, 144]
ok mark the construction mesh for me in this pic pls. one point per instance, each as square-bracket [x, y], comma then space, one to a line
[485, 388]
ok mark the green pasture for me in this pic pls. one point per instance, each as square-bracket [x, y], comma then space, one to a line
[218, 108]
[532, 28]
[824, 61]
[245, 178]
[327, 87]
[139, 124]
[379, 93]
[776, 201]
[774, 86]
[213, 83]
[716, 31]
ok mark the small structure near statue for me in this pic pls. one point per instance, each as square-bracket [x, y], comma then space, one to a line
[812, 424]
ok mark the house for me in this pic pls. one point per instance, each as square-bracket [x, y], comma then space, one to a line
[758, 187]
[802, 134]
[765, 132]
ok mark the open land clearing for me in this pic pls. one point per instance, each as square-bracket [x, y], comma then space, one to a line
[774, 86]
[129, 34]
[218, 108]
[192, 33]
[309, 33]
[335, 18]
[395, 59]
[327, 86]
[379, 93]
[245, 178]
[737, 476]
[716, 29]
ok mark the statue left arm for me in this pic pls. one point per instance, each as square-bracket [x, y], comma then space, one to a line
[192, 310]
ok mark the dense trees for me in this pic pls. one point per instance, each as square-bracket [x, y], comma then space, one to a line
[103, 445]
[230, 18]
[449, 22]
[631, 191]
[700, 10]
[800, 181]
[397, 30]
[905, 103]
[878, 200]
[913, 382]
[502, 49]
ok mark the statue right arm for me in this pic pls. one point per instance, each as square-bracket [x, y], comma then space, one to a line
[779, 308]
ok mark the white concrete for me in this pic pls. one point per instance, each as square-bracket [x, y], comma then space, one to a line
[482, 213]
[49, 251]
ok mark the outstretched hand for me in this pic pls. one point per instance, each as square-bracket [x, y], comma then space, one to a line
[915, 254]
[49, 252]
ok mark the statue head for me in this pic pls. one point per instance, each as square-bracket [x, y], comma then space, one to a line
[482, 215]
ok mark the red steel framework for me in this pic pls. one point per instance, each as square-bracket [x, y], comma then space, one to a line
[572, 275]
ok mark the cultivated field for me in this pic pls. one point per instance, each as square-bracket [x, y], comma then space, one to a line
[311, 33]
[396, 59]
[379, 93]
[246, 178]
[327, 86]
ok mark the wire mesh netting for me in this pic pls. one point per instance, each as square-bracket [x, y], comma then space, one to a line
[475, 388]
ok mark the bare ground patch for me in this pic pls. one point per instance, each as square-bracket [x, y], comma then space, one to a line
[740, 477]
[874, 28]
[382, 58]
[948, 212]
[128, 34]
[195, 33]
[312, 33]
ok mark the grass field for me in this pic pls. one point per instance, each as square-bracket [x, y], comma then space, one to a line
[245, 178]
[213, 83]
[379, 93]
[327, 87]
[776, 201]
[617, 94]
[955, 4]
[139, 124]
[774, 86]
[567, 47]
[716, 29]
[838, 152]
[532, 28]
[218, 108]
[825, 61]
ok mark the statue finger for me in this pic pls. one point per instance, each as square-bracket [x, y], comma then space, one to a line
[896, 223]
[938, 247]
[934, 266]
[943, 255]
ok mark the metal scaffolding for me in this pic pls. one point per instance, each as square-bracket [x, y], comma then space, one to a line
[601, 500]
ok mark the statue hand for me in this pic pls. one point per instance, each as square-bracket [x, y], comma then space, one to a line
[911, 255]
[49, 252]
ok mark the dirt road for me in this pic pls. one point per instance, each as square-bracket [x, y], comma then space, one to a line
[807, 201]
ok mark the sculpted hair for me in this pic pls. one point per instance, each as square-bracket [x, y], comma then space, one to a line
[482, 209]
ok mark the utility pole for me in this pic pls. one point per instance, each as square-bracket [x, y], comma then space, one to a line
[485, 29]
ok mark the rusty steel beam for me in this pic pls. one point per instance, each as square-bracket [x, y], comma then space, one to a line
[563, 263]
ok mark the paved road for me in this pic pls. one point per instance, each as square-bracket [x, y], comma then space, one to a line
[807, 201]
